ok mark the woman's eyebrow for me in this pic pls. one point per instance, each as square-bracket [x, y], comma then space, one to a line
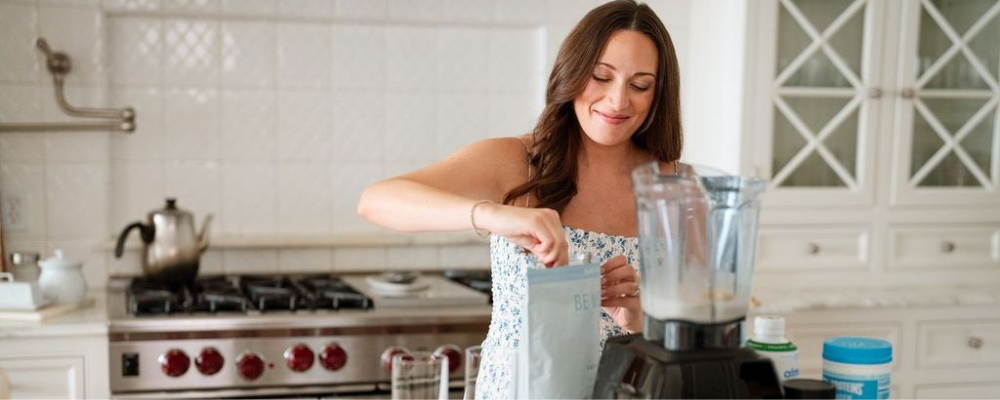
[612, 67]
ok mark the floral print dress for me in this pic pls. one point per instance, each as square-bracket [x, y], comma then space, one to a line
[509, 269]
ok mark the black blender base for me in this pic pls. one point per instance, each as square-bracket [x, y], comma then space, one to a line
[633, 368]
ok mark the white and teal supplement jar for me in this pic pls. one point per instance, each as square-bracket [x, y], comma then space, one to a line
[859, 367]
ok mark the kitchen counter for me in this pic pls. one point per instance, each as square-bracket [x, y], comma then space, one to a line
[91, 320]
[780, 301]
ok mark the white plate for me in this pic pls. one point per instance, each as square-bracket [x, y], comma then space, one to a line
[377, 283]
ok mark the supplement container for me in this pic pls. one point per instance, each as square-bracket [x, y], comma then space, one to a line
[769, 341]
[859, 367]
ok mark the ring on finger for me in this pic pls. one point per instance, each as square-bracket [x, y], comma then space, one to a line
[635, 293]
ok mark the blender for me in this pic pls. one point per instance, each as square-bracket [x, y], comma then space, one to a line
[697, 237]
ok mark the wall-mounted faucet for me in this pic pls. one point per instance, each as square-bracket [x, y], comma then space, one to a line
[59, 64]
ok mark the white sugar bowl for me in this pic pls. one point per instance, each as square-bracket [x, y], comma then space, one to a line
[62, 280]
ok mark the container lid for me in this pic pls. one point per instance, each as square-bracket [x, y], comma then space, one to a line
[768, 325]
[857, 350]
[809, 389]
[58, 260]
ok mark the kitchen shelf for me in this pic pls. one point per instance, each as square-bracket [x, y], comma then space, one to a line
[326, 241]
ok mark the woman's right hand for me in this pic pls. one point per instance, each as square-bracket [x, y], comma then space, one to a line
[539, 230]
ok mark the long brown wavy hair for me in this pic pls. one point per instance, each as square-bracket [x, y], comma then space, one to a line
[557, 136]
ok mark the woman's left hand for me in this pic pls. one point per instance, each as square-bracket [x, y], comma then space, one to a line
[620, 293]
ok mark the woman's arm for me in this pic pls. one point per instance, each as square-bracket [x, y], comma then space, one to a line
[441, 196]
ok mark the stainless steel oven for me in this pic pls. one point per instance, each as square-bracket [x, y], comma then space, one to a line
[192, 342]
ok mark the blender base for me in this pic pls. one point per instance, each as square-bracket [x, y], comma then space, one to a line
[634, 368]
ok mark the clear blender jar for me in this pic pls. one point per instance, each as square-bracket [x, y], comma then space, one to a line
[697, 238]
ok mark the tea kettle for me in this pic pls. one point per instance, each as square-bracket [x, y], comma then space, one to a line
[171, 247]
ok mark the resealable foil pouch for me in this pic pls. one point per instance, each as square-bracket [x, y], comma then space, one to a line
[559, 349]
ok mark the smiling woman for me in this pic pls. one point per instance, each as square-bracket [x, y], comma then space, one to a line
[612, 103]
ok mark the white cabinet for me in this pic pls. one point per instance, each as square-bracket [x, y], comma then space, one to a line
[938, 351]
[877, 126]
[848, 89]
[56, 367]
[45, 378]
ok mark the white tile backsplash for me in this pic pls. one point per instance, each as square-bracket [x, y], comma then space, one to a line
[303, 56]
[249, 261]
[25, 180]
[136, 189]
[358, 56]
[197, 187]
[136, 54]
[306, 119]
[359, 259]
[248, 54]
[304, 204]
[358, 126]
[462, 70]
[374, 10]
[191, 52]
[76, 199]
[410, 127]
[249, 125]
[147, 142]
[305, 260]
[191, 124]
[410, 61]
[249, 199]
[18, 29]
[272, 114]
[79, 32]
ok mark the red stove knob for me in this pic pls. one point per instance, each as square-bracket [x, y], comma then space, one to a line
[454, 354]
[209, 361]
[333, 357]
[250, 365]
[174, 362]
[299, 357]
[389, 353]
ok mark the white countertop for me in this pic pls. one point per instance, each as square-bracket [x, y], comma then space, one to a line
[91, 320]
[801, 299]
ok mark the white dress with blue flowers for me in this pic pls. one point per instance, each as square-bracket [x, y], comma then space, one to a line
[509, 269]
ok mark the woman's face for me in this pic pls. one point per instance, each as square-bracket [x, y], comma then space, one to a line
[616, 100]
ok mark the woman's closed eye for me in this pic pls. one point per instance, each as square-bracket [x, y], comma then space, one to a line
[637, 86]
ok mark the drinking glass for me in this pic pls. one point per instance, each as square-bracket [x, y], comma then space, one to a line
[421, 375]
[472, 357]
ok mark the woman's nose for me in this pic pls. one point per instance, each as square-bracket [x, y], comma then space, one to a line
[618, 96]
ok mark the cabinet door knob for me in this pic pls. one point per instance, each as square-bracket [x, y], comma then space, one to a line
[948, 247]
[975, 342]
[907, 93]
[875, 93]
[812, 248]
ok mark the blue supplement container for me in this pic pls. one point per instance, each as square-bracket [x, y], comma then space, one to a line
[859, 367]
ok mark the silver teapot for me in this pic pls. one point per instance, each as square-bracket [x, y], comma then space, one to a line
[171, 247]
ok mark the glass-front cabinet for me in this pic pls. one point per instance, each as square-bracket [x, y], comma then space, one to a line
[822, 66]
[946, 117]
[858, 87]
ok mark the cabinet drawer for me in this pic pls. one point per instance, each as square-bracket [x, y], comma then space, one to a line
[811, 249]
[944, 247]
[958, 344]
[45, 378]
[809, 339]
[985, 390]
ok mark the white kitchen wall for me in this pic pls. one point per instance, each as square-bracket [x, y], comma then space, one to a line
[271, 115]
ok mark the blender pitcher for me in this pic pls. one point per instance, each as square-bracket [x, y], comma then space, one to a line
[697, 237]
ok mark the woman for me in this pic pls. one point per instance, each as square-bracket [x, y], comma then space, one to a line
[612, 103]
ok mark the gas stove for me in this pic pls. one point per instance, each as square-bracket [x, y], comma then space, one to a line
[282, 335]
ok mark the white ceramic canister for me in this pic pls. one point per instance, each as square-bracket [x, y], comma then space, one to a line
[62, 280]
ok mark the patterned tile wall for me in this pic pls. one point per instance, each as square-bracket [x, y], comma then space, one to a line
[273, 115]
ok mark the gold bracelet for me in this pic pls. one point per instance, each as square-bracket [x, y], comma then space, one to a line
[472, 217]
